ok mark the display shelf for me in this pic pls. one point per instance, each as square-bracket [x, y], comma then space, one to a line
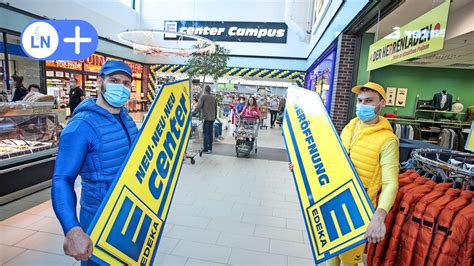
[402, 119]
[439, 122]
[430, 141]
[439, 112]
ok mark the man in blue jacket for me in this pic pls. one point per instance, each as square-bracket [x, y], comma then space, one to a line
[94, 145]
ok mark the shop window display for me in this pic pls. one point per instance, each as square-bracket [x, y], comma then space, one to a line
[320, 78]
[18, 64]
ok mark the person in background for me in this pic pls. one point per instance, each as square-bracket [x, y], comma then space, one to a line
[33, 88]
[238, 107]
[263, 111]
[208, 105]
[251, 109]
[273, 107]
[20, 90]
[240, 104]
[76, 94]
[218, 130]
[94, 145]
[195, 104]
[282, 105]
[374, 151]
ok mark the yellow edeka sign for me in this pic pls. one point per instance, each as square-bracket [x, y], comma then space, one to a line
[335, 206]
[129, 224]
[419, 37]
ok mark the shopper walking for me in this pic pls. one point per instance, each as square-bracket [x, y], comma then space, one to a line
[282, 105]
[373, 149]
[208, 106]
[76, 94]
[94, 145]
[20, 90]
[251, 109]
[273, 107]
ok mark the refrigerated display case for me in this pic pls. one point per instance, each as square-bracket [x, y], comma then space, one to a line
[28, 147]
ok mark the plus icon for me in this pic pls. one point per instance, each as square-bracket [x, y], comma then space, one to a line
[77, 40]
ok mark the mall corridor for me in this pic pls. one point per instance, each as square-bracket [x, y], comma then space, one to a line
[226, 211]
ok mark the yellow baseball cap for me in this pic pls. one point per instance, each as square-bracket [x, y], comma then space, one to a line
[372, 86]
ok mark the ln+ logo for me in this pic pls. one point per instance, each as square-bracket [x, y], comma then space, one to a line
[59, 40]
[77, 40]
[40, 40]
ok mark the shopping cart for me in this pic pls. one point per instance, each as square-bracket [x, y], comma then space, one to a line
[246, 133]
[195, 140]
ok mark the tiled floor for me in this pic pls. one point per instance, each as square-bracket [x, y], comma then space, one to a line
[226, 211]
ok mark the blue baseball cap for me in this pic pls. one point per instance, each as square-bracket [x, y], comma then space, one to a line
[114, 66]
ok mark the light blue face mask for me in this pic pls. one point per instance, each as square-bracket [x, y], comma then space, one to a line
[116, 94]
[365, 112]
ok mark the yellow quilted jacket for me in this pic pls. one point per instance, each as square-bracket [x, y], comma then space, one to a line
[364, 148]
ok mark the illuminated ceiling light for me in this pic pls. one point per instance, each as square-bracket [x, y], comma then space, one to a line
[396, 28]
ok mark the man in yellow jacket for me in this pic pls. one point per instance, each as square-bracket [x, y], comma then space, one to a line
[373, 149]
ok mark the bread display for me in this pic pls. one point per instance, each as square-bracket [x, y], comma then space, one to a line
[38, 97]
[15, 108]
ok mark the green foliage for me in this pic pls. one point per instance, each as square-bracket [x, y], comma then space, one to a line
[213, 65]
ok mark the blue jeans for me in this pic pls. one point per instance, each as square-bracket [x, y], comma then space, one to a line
[217, 129]
[207, 132]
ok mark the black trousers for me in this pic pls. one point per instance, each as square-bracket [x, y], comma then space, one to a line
[208, 127]
[273, 117]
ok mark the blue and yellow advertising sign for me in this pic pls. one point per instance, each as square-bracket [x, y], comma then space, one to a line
[334, 203]
[128, 227]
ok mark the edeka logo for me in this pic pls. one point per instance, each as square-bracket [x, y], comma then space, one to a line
[59, 39]
[336, 216]
[125, 235]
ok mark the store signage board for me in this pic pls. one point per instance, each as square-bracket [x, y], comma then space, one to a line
[94, 63]
[335, 206]
[129, 224]
[421, 36]
[71, 64]
[224, 31]
[470, 139]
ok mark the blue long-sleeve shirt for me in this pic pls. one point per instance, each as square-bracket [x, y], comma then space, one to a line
[76, 140]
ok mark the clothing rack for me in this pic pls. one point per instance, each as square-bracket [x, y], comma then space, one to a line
[434, 159]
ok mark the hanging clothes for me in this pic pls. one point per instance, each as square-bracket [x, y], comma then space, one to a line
[405, 210]
[425, 234]
[407, 180]
[411, 227]
[466, 252]
[460, 232]
[390, 219]
[411, 134]
[444, 138]
[443, 226]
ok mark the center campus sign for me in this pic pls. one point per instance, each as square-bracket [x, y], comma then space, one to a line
[222, 31]
[421, 36]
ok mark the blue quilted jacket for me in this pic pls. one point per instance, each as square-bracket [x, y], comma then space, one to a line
[106, 154]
